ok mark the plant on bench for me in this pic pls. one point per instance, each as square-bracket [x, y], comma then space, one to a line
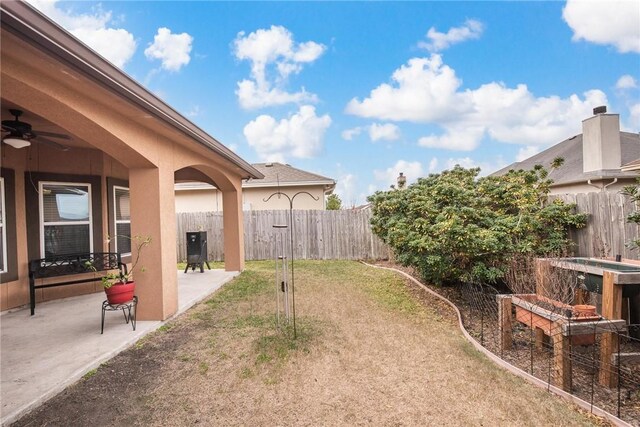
[118, 286]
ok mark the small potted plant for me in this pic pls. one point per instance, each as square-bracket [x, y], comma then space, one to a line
[118, 285]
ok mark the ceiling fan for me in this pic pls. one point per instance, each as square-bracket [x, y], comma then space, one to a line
[21, 133]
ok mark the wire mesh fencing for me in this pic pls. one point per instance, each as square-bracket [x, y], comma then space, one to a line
[595, 359]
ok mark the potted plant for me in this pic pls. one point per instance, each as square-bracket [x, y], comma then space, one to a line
[119, 286]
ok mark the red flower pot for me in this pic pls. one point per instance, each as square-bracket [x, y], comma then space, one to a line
[120, 292]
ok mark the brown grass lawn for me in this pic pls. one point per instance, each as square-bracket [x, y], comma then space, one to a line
[369, 352]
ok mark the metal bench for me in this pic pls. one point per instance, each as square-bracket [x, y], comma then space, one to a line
[70, 264]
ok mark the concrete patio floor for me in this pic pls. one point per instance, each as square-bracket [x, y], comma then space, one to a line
[40, 355]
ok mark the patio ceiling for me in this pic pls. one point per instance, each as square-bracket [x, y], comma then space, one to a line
[41, 124]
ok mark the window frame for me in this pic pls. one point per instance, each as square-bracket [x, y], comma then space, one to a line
[116, 221]
[41, 222]
[4, 268]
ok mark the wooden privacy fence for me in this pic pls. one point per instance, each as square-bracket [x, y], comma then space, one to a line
[343, 234]
[607, 232]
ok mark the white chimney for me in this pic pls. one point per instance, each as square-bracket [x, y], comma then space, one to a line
[401, 180]
[601, 141]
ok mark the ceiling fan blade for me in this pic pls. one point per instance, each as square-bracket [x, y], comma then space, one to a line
[51, 134]
[52, 144]
[9, 128]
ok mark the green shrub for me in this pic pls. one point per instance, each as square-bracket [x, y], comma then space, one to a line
[454, 226]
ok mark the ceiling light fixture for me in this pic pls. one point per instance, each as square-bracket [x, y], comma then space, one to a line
[16, 142]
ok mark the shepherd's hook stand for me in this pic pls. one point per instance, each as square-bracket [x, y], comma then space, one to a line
[292, 229]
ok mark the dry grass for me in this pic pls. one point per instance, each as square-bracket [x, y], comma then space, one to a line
[368, 352]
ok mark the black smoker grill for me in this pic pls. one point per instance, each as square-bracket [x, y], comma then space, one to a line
[197, 251]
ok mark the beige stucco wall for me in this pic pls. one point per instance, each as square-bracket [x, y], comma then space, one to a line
[42, 159]
[252, 199]
[198, 201]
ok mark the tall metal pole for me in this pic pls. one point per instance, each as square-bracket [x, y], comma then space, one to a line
[293, 286]
[292, 228]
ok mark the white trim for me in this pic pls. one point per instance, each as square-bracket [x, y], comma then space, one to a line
[117, 221]
[257, 184]
[3, 267]
[41, 224]
[200, 186]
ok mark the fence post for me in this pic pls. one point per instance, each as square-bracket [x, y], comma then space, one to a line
[505, 321]
[561, 346]
[611, 310]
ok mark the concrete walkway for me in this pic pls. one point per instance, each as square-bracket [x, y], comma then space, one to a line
[40, 355]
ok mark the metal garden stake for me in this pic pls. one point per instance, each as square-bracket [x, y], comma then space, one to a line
[292, 230]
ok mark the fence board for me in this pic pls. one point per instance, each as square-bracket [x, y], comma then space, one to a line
[607, 232]
[344, 234]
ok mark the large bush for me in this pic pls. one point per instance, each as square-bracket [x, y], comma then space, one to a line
[456, 227]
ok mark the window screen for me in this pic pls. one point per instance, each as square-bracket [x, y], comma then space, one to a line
[122, 217]
[3, 234]
[65, 213]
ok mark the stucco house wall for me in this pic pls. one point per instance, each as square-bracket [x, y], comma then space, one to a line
[210, 199]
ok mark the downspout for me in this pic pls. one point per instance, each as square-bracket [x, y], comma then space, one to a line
[326, 190]
[604, 187]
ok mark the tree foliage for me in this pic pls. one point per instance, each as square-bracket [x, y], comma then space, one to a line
[454, 226]
[333, 202]
[633, 192]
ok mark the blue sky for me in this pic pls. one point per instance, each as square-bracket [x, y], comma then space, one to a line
[359, 91]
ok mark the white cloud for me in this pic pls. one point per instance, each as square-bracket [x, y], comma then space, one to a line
[463, 139]
[117, 45]
[300, 136]
[349, 134]
[433, 165]
[386, 132]
[525, 152]
[194, 112]
[426, 90]
[626, 82]
[346, 188]
[173, 50]
[389, 176]
[376, 131]
[634, 118]
[486, 167]
[438, 41]
[273, 47]
[252, 96]
[615, 23]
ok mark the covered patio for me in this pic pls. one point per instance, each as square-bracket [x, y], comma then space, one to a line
[63, 342]
[88, 154]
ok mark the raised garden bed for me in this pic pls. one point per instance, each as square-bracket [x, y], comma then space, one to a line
[543, 313]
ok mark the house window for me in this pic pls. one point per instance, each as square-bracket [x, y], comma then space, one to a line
[3, 234]
[122, 218]
[65, 218]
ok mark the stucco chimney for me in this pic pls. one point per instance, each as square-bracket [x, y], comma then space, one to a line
[601, 141]
[401, 180]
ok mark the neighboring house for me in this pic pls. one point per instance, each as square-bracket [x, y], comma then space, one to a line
[108, 165]
[593, 160]
[200, 197]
